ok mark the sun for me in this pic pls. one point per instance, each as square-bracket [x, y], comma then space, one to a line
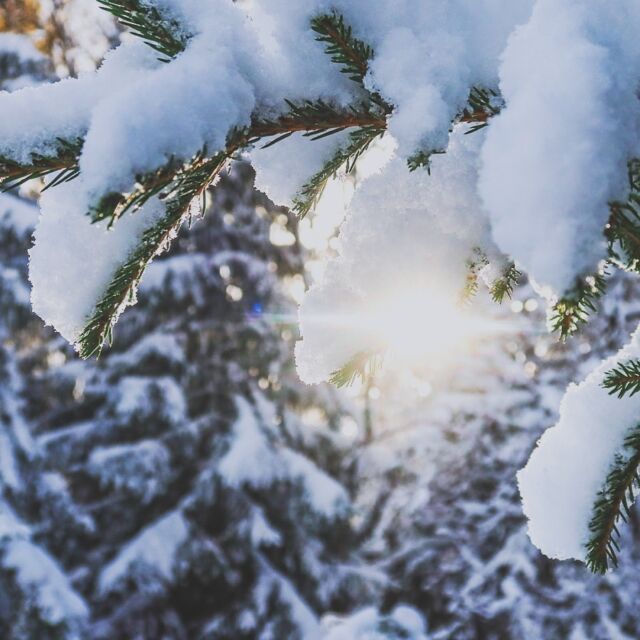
[422, 325]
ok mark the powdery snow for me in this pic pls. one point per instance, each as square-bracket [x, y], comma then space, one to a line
[40, 574]
[557, 154]
[243, 58]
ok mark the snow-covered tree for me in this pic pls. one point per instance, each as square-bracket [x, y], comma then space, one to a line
[38, 600]
[495, 139]
[204, 500]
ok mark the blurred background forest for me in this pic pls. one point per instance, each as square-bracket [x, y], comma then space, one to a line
[187, 485]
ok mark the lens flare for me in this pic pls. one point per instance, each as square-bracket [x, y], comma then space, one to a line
[423, 326]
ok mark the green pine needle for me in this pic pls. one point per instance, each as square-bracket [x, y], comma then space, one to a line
[482, 105]
[623, 229]
[63, 163]
[624, 379]
[345, 158]
[162, 33]
[360, 367]
[345, 49]
[189, 184]
[503, 287]
[422, 159]
[572, 311]
[613, 504]
[159, 182]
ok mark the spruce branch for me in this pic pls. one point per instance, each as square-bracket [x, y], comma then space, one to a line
[613, 504]
[159, 182]
[63, 163]
[482, 105]
[573, 309]
[345, 158]
[313, 119]
[345, 50]
[178, 183]
[624, 379]
[360, 367]
[623, 228]
[121, 290]
[503, 287]
[422, 159]
[162, 33]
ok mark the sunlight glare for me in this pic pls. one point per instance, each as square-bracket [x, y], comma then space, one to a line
[419, 325]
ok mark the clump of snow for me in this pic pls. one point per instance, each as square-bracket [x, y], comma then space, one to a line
[141, 468]
[37, 572]
[155, 545]
[86, 257]
[35, 117]
[147, 132]
[557, 154]
[428, 55]
[136, 395]
[370, 624]
[559, 484]
[253, 460]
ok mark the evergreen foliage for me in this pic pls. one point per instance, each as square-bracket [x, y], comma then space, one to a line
[63, 163]
[482, 105]
[189, 184]
[345, 50]
[572, 310]
[504, 286]
[160, 32]
[613, 504]
[623, 230]
[361, 367]
[345, 158]
[624, 379]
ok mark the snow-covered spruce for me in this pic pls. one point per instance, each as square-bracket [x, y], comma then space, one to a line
[574, 468]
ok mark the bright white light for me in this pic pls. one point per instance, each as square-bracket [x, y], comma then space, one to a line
[418, 325]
